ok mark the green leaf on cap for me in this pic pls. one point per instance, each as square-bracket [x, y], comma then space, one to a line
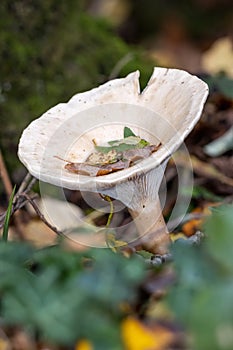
[128, 132]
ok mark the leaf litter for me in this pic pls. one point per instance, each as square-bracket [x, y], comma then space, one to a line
[117, 155]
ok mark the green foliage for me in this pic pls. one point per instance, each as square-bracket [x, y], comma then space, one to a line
[49, 51]
[202, 297]
[202, 192]
[220, 237]
[64, 296]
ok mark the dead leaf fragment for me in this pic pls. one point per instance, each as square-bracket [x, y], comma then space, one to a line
[84, 345]
[38, 234]
[99, 163]
[137, 336]
[99, 158]
[193, 225]
[219, 58]
[4, 341]
[92, 170]
[134, 155]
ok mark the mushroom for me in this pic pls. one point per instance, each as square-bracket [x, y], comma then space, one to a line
[164, 112]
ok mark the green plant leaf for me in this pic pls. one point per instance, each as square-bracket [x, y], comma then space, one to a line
[63, 296]
[201, 298]
[128, 132]
[220, 235]
[121, 148]
[143, 143]
[130, 140]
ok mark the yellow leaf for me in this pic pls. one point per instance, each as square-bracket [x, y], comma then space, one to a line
[193, 225]
[137, 336]
[175, 236]
[84, 345]
[4, 344]
[190, 227]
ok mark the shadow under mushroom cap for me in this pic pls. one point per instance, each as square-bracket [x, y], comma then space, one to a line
[166, 111]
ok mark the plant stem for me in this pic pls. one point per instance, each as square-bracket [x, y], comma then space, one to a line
[8, 215]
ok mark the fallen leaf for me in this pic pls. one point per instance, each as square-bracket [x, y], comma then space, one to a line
[92, 170]
[104, 161]
[174, 236]
[118, 155]
[99, 158]
[134, 155]
[60, 213]
[84, 345]
[219, 58]
[4, 342]
[38, 234]
[194, 225]
[137, 336]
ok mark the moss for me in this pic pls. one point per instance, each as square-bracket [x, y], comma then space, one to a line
[51, 50]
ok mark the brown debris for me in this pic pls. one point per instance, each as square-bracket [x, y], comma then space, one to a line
[128, 158]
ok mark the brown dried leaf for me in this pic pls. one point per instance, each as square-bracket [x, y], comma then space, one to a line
[103, 162]
[100, 158]
[92, 170]
[133, 155]
[82, 169]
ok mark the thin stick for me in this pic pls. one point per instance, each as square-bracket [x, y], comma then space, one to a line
[5, 176]
[120, 64]
[24, 183]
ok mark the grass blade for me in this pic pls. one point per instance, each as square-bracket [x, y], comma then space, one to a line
[7, 218]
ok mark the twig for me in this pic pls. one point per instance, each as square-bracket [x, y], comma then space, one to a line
[25, 187]
[24, 183]
[119, 65]
[5, 177]
[19, 202]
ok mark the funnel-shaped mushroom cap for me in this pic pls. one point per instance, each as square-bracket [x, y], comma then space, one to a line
[165, 111]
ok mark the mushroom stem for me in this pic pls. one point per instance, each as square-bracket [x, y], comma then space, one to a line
[152, 230]
[140, 195]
